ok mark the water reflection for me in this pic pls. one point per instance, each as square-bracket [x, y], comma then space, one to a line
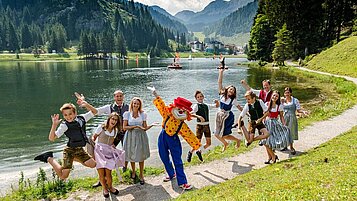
[31, 91]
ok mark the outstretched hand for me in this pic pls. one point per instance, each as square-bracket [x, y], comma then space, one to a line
[55, 119]
[153, 90]
[80, 99]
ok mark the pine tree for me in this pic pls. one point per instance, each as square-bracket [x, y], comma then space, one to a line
[261, 40]
[26, 37]
[283, 46]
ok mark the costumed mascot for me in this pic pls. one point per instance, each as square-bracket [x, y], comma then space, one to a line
[173, 123]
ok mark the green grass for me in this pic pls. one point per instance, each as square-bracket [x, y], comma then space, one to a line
[327, 172]
[41, 57]
[332, 95]
[340, 59]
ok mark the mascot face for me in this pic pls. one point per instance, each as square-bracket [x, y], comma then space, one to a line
[179, 114]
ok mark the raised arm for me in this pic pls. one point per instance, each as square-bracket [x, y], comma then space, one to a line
[245, 85]
[220, 80]
[82, 103]
[55, 121]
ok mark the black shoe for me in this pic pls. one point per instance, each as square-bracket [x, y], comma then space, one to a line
[106, 195]
[199, 154]
[276, 158]
[284, 149]
[124, 169]
[189, 156]
[116, 192]
[43, 157]
[293, 152]
[95, 185]
[267, 162]
[247, 144]
[261, 143]
[142, 182]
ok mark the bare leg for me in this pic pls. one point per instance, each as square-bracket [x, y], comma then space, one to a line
[270, 152]
[208, 142]
[133, 173]
[225, 143]
[61, 173]
[247, 135]
[264, 136]
[108, 174]
[231, 137]
[101, 173]
[126, 164]
[90, 163]
[141, 167]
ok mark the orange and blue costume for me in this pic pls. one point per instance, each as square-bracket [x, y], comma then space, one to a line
[169, 140]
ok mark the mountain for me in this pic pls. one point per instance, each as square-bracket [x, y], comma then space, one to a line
[213, 12]
[185, 15]
[106, 25]
[240, 21]
[165, 19]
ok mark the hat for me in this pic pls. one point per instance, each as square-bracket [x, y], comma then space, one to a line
[183, 103]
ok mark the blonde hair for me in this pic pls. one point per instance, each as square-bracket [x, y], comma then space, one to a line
[132, 102]
[68, 106]
[118, 92]
[251, 94]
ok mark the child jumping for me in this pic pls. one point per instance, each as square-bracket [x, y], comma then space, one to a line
[201, 110]
[73, 127]
[257, 111]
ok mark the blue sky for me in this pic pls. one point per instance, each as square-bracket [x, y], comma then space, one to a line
[175, 6]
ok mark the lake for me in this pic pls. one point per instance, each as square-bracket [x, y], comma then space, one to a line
[31, 91]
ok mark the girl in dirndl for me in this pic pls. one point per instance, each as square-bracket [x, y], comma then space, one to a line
[106, 154]
[279, 133]
[225, 117]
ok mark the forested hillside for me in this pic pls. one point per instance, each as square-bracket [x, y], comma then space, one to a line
[166, 20]
[296, 28]
[95, 25]
[239, 21]
[213, 12]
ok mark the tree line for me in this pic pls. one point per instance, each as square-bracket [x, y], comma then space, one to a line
[95, 26]
[297, 28]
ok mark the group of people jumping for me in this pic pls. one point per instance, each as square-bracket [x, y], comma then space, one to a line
[127, 124]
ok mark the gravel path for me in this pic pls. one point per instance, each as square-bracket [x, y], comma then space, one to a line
[221, 170]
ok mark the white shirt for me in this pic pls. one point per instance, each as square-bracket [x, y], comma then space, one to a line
[135, 121]
[228, 100]
[195, 109]
[293, 100]
[273, 109]
[246, 108]
[99, 129]
[63, 127]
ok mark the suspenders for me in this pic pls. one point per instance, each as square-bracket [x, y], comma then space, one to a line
[179, 127]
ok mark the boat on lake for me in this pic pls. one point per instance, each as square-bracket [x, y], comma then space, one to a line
[174, 66]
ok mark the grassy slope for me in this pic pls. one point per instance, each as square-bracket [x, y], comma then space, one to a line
[340, 59]
[324, 173]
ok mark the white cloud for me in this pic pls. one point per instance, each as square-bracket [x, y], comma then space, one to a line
[175, 6]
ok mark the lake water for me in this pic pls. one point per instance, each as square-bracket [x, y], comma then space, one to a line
[31, 91]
